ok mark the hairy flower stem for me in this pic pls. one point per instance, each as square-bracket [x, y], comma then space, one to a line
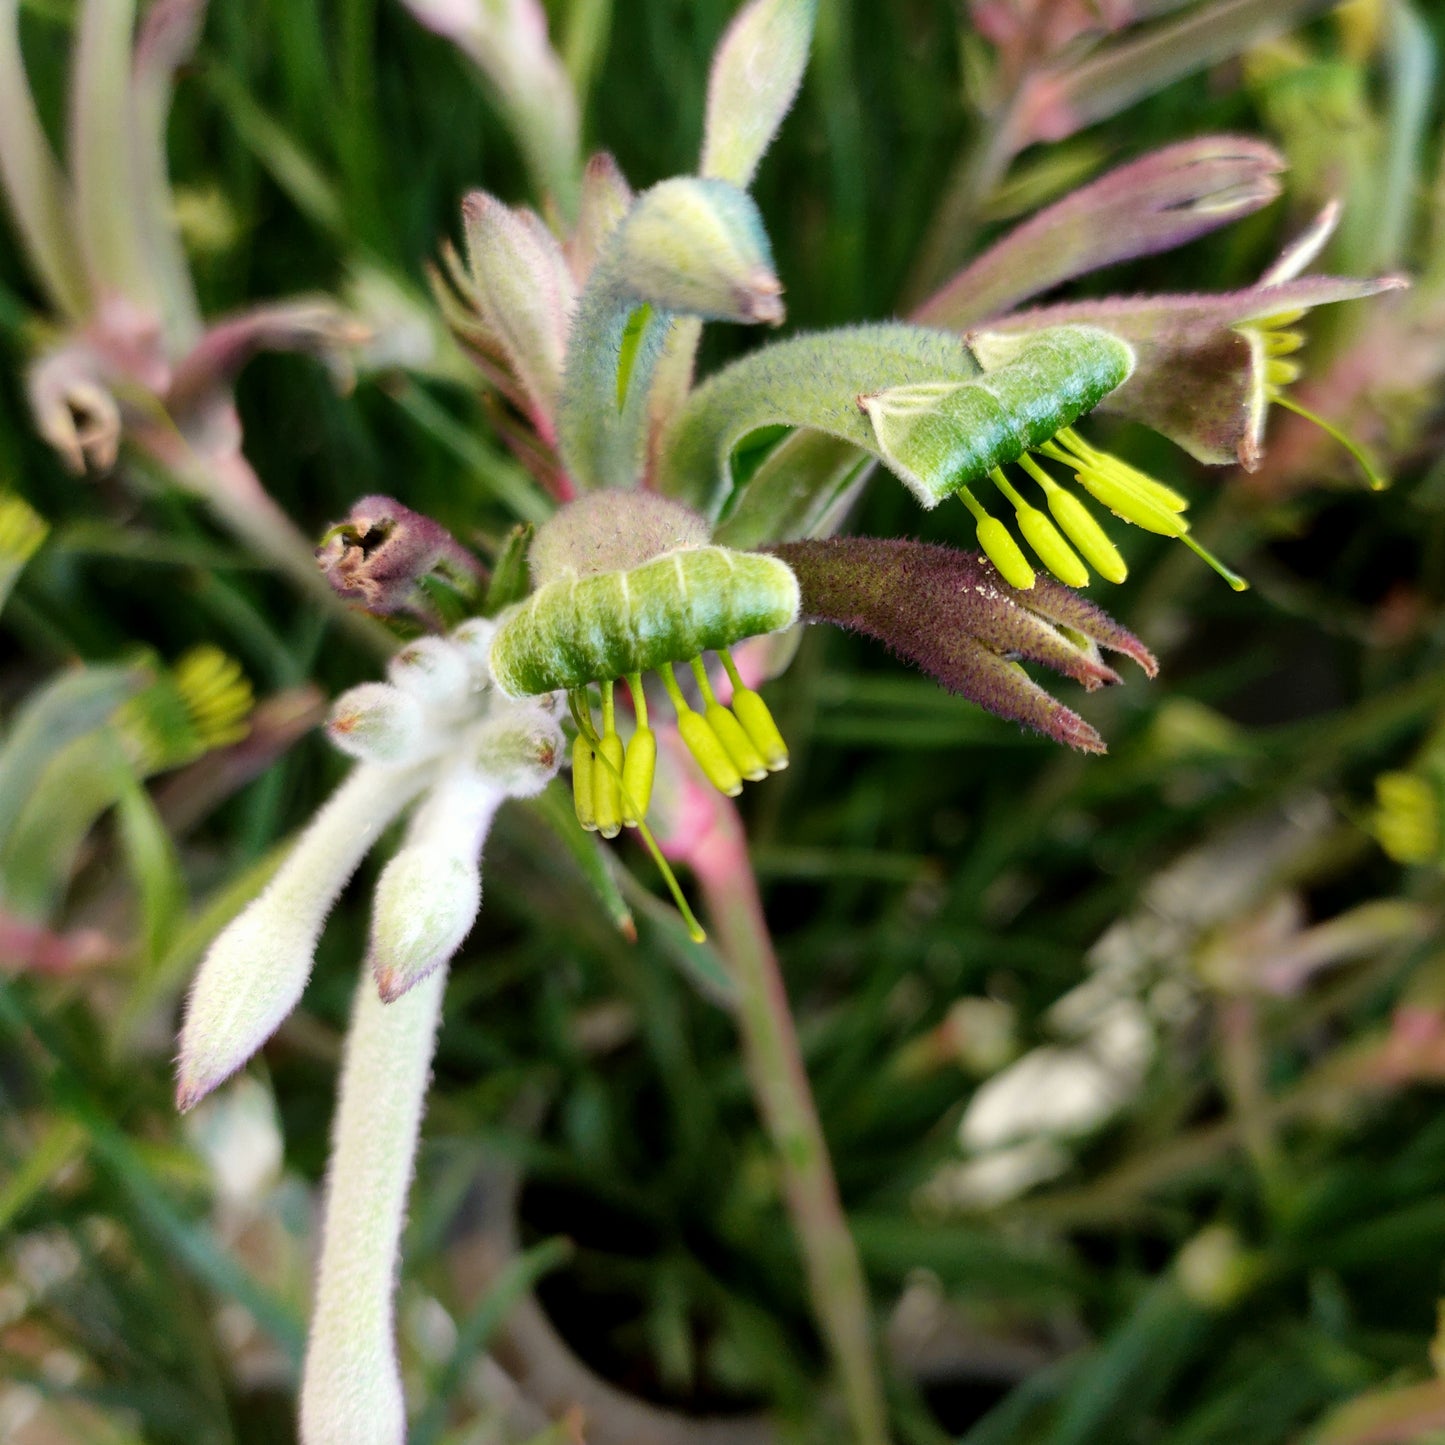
[351, 1392]
[780, 1084]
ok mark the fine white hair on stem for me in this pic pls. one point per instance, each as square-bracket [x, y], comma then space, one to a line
[351, 1392]
[257, 968]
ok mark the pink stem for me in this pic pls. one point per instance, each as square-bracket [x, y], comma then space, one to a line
[719, 859]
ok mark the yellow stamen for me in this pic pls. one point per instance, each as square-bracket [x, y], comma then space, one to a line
[752, 712]
[640, 764]
[1078, 525]
[606, 779]
[729, 730]
[701, 741]
[998, 546]
[1041, 534]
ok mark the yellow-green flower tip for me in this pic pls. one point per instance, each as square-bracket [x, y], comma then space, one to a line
[709, 754]
[752, 712]
[583, 766]
[637, 774]
[738, 745]
[607, 785]
[1079, 526]
[1001, 549]
[1050, 547]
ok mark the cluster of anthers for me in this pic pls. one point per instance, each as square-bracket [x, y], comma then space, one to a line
[626, 584]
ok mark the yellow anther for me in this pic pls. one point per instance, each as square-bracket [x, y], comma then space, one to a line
[583, 766]
[709, 754]
[1279, 320]
[1407, 817]
[1078, 525]
[1107, 462]
[729, 730]
[1279, 373]
[1126, 501]
[1041, 534]
[998, 545]
[1001, 549]
[704, 745]
[607, 772]
[1282, 343]
[752, 712]
[637, 773]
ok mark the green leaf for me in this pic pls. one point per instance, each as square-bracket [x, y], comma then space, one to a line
[36, 190]
[514, 1281]
[699, 963]
[154, 864]
[812, 381]
[510, 581]
[75, 704]
[756, 73]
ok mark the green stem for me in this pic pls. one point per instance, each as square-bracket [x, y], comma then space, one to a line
[780, 1084]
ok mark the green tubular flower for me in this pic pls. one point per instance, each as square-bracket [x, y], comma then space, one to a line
[627, 583]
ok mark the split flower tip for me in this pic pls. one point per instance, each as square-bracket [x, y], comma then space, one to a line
[953, 615]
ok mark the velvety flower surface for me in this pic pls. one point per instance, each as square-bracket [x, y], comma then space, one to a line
[951, 614]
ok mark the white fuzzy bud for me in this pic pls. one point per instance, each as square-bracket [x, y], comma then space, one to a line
[433, 671]
[258, 966]
[520, 747]
[378, 724]
[426, 902]
[474, 638]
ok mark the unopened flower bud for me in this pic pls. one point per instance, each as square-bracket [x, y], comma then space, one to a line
[433, 671]
[426, 902]
[519, 750]
[474, 638]
[258, 966]
[378, 724]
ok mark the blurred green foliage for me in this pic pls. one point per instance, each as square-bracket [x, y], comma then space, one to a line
[916, 854]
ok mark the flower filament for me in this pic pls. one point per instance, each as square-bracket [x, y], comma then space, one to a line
[1279, 343]
[1071, 540]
